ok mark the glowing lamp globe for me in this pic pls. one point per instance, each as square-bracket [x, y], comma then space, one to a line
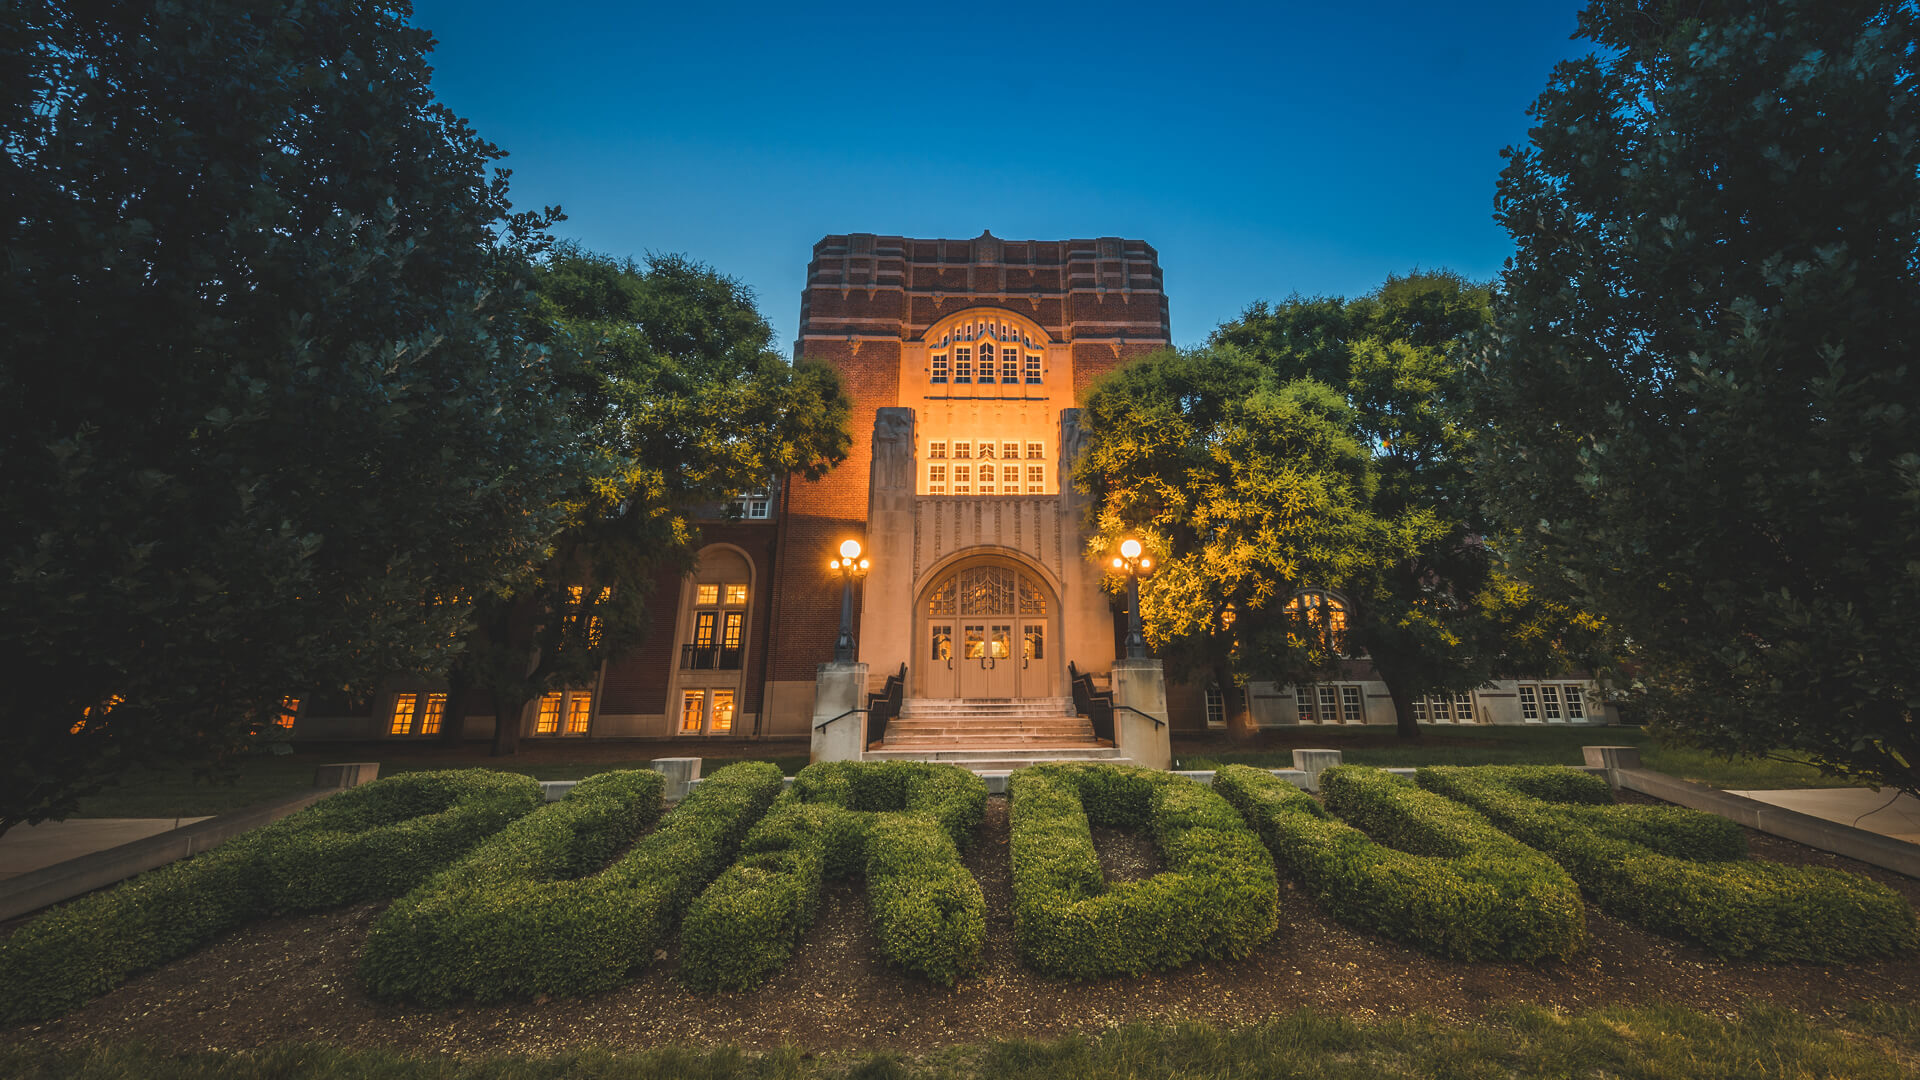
[1130, 548]
[849, 549]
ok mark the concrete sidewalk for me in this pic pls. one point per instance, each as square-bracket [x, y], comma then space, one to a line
[1863, 808]
[25, 848]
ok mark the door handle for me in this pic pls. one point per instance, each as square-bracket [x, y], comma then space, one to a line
[949, 663]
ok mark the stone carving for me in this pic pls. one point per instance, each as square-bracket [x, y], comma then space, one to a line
[893, 449]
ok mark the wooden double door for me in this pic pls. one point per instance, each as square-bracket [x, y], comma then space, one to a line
[987, 633]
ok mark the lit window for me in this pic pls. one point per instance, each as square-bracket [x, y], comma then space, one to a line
[547, 721]
[736, 594]
[962, 479]
[1010, 365]
[1010, 451]
[986, 480]
[693, 709]
[430, 718]
[962, 365]
[703, 625]
[937, 479]
[401, 722]
[986, 448]
[722, 722]
[706, 594]
[1033, 368]
[939, 367]
[1216, 707]
[1318, 617]
[963, 450]
[579, 711]
[289, 712]
[986, 364]
[937, 450]
[1036, 451]
[1529, 705]
[1036, 477]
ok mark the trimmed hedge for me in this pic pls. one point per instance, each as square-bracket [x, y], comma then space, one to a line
[1412, 865]
[1217, 897]
[901, 823]
[1682, 872]
[366, 843]
[520, 916]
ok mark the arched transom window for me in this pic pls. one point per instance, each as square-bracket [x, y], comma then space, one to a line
[986, 349]
[1319, 618]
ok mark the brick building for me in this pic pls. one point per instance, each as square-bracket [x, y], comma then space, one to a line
[964, 360]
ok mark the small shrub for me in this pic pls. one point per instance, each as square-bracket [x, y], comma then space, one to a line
[1218, 896]
[526, 913]
[1681, 872]
[901, 823]
[367, 843]
[1412, 866]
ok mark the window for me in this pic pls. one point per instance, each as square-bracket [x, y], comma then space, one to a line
[436, 710]
[1010, 365]
[754, 506]
[1576, 703]
[1216, 707]
[289, 712]
[577, 602]
[936, 479]
[1419, 710]
[986, 448]
[962, 365]
[693, 710]
[1550, 704]
[986, 480]
[1350, 711]
[706, 594]
[717, 634]
[730, 636]
[415, 713]
[963, 450]
[401, 723]
[1330, 703]
[1037, 479]
[1529, 705]
[1318, 618]
[986, 364]
[1036, 451]
[1441, 708]
[736, 594]
[939, 367]
[1303, 704]
[547, 720]
[1033, 368]
[937, 451]
[962, 479]
[722, 720]
[1555, 703]
[579, 711]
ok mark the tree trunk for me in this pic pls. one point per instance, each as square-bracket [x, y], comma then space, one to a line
[453, 726]
[506, 725]
[1407, 728]
[1237, 706]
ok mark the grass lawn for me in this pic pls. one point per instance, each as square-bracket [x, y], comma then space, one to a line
[1866, 1042]
[1499, 745]
[180, 793]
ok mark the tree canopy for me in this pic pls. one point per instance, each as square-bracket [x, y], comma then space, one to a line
[1701, 407]
[685, 401]
[270, 409]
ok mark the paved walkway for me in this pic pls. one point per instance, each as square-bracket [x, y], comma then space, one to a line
[1863, 808]
[24, 848]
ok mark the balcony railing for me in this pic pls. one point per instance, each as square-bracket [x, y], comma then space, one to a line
[709, 657]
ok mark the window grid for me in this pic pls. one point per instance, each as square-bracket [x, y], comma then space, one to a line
[1036, 451]
[1329, 705]
[962, 450]
[547, 722]
[1350, 705]
[721, 722]
[1529, 706]
[1419, 710]
[579, 711]
[962, 479]
[402, 721]
[1033, 369]
[1550, 703]
[937, 479]
[1010, 451]
[939, 367]
[986, 479]
[1037, 474]
[986, 364]
[1010, 365]
[962, 365]
[1576, 703]
[1303, 704]
[1216, 707]
[937, 450]
[436, 708]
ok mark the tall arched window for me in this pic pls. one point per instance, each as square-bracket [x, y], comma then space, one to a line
[1319, 618]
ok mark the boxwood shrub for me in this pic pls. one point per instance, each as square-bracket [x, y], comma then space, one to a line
[1682, 872]
[901, 823]
[1217, 897]
[1412, 865]
[367, 843]
[532, 911]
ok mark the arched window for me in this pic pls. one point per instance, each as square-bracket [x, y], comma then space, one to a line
[986, 363]
[1318, 618]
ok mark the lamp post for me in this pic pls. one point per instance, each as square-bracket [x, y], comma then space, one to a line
[851, 566]
[1132, 561]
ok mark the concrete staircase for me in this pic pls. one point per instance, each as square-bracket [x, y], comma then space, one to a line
[988, 736]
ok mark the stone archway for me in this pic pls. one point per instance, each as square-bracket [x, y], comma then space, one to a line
[987, 629]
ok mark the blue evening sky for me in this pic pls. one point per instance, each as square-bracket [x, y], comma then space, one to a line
[1262, 149]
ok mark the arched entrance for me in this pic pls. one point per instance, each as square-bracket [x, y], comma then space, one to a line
[987, 632]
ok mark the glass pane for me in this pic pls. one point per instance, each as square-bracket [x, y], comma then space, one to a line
[548, 722]
[706, 594]
[1442, 709]
[976, 642]
[941, 602]
[579, 709]
[402, 722]
[1002, 642]
[1032, 601]
[722, 712]
[732, 638]
[1034, 642]
[1576, 704]
[436, 708]
[1420, 710]
[736, 594]
[703, 629]
[986, 590]
[942, 637]
[1550, 702]
[1303, 701]
[692, 704]
[1529, 709]
[1350, 704]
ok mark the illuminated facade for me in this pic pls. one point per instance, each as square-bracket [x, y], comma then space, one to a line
[964, 360]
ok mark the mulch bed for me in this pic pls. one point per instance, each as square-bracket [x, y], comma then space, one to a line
[292, 979]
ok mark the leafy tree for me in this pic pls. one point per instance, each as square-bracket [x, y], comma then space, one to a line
[1702, 405]
[269, 410]
[1245, 488]
[1433, 607]
[686, 401]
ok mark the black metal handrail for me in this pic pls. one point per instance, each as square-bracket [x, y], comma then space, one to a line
[885, 705]
[1096, 706]
[710, 657]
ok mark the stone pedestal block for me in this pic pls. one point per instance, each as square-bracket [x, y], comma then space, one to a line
[1313, 763]
[1140, 687]
[1611, 758]
[679, 771]
[345, 774]
[838, 689]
